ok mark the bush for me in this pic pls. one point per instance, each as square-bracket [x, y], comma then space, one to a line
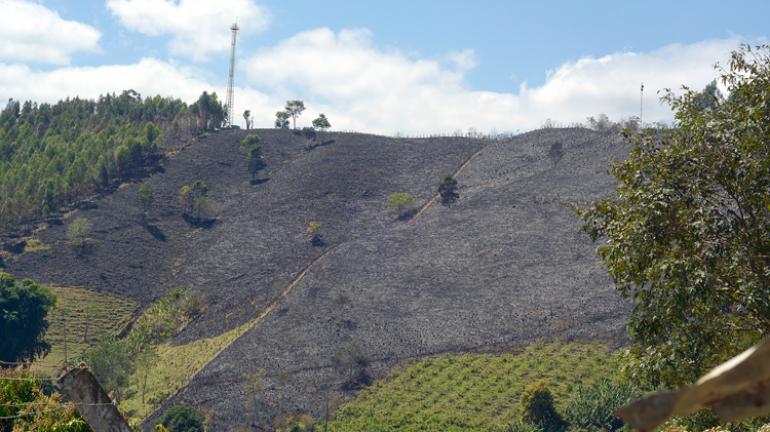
[182, 418]
[193, 199]
[401, 203]
[78, 232]
[448, 191]
[24, 308]
[537, 408]
[593, 408]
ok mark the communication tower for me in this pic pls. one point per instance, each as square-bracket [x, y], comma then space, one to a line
[229, 101]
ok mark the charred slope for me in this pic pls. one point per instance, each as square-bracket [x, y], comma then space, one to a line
[258, 243]
[503, 266]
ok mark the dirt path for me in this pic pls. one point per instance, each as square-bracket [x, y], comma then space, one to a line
[436, 197]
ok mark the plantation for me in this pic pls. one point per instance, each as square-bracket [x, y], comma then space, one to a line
[473, 392]
[82, 317]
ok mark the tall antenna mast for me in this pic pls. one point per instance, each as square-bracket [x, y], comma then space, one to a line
[229, 101]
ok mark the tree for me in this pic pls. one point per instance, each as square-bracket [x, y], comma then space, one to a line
[146, 197]
[78, 232]
[709, 98]
[111, 361]
[351, 363]
[314, 231]
[321, 123]
[536, 408]
[247, 119]
[448, 191]
[24, 308]
[400, 203]
[193, 199]
[182, 418]
[294, 109]
[251, 143]
[282, 120]
[686, 233]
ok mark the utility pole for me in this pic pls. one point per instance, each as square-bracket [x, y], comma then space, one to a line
[229, 101]
[641, 104]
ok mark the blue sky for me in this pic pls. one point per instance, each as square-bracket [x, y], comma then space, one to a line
[454, 59]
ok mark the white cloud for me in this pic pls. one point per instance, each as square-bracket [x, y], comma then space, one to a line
[360, 87]
[30, 32]
[463, 60]
[198, 28]
[368, 89]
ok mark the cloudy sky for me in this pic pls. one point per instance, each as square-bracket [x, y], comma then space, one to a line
[389, 67]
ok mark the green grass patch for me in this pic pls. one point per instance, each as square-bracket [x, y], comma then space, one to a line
[35, 245]
[472, 392]
[175, 366]
[82, 317]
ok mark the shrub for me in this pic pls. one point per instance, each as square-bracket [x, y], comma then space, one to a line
[593, 408]
[193, 199]
[537, 408]
[146, 197]
[448, 191]
[78, 232]
[351, 363]
[314, 231]
[182, 418]
[401, 203]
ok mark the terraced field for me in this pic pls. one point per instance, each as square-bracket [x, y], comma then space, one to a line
[80, 319]
[464, 392]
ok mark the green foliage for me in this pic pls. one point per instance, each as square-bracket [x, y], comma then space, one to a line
[537, 408]
[111, 361]
[251, 143]
[146, 196]
[21, 395]
[182, 418]
[55, 154]
[24, 308]
[282, 120]
[400, 202]
[592, 408]
[194, 200]
[321, 123]
[114, 360]
[471, 392]
[208, 111]
[78, 231]
[82, 318]
[687, 231]
[294, 109]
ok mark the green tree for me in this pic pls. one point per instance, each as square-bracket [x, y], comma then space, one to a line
[686, 234]
[294, 109]
[182, 418]
[251, 143]
[400, 203]
[536, 408]
[24, 308]
[78, 231]
[194, 200]
[282, 120]
[321, 123]
[146, 197]
[111, 361]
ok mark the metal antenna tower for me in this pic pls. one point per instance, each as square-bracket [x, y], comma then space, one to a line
[229, 100]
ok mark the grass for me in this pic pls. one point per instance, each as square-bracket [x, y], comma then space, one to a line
[175, 366]
[35, 245]
[85, 317]
[471, 392]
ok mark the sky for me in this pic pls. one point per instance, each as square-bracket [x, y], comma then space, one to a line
[395, 67]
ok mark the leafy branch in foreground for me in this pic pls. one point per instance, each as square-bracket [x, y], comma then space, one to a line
[686, 234]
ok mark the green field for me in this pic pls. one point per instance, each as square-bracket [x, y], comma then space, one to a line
[471, 392]
[85, 317]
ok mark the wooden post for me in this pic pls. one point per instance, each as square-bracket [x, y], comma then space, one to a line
[80, 386]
